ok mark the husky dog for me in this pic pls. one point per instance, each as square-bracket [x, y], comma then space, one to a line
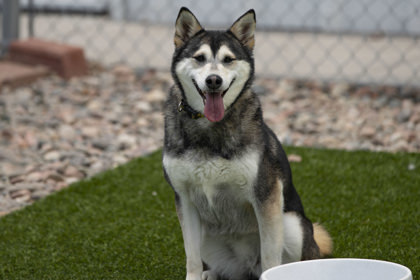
[238, 209]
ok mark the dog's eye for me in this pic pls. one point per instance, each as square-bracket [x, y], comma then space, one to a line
[200, 58]
[228, 59]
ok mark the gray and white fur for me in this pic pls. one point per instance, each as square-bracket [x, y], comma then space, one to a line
[238, 209]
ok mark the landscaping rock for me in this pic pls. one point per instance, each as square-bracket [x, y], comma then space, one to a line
[56, 132]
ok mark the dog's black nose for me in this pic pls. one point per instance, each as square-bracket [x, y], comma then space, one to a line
[214, 82]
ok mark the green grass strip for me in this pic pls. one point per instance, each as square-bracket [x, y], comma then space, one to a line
[122, 224]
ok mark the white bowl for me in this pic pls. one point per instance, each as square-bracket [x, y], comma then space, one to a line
[339, 269]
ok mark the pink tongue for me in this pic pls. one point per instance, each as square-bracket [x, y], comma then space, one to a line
[213, 107]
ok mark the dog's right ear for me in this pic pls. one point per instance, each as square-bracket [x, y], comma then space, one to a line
[186, 26]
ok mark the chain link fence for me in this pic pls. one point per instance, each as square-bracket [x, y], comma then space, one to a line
[360, 41]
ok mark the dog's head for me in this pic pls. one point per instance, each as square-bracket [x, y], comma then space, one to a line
[213, 68]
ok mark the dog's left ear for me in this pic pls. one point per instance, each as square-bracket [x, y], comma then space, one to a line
[186, 26]
[244, 29]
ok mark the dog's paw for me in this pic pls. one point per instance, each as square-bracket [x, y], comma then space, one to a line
[208, 275]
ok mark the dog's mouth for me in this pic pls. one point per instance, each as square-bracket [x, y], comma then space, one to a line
[214, 109]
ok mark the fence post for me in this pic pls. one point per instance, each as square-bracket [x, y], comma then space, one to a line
[10, 23]
[31, 15]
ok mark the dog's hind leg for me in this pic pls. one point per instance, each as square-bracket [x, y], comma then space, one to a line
[293, 237]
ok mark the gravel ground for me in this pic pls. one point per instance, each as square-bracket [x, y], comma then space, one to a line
[56, 132]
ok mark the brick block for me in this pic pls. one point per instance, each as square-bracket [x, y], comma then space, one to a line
[68, 61]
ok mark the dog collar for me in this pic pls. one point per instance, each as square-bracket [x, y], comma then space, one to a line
[193, 114]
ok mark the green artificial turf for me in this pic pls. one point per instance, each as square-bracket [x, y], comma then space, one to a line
[122, 224]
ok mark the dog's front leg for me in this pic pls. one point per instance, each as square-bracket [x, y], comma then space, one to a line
[270, 223]
[191, 232]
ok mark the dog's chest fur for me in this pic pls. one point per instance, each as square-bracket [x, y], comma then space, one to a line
[221, 189]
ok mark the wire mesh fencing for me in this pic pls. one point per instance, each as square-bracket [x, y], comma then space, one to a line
[361, 41]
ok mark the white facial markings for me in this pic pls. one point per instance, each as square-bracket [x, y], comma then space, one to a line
[241, 71]
[185, 70]
[204, 50]
[234, 74]
[223, 52]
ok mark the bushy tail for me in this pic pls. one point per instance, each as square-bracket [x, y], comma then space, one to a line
[323, 240]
